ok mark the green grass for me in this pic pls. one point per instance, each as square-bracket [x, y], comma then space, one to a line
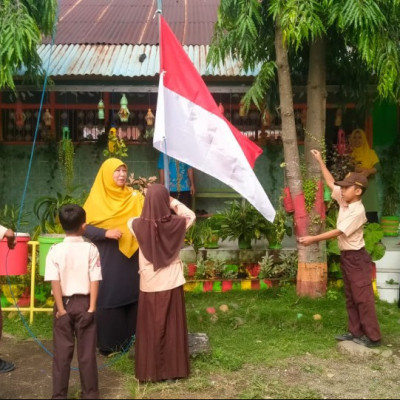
[17, 324]
[260, 329]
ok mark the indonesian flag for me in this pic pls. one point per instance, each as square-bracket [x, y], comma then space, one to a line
[190, 127]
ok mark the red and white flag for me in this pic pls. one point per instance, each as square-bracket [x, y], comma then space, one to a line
[190, 127]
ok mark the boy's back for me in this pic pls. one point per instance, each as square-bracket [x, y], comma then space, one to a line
[75, 263]
[73, 267]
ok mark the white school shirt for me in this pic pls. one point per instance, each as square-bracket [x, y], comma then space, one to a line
[74, 262]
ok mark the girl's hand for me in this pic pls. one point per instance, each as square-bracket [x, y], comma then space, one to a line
[113, 234]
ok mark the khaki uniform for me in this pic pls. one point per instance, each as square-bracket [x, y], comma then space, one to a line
[356, 266]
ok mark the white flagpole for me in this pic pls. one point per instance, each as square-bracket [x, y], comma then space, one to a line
[165, 157]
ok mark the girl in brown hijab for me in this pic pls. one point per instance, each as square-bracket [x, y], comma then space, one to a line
[161, 347]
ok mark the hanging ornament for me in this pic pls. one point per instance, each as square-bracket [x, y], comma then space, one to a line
[123, 111]
[19, 115]
[221, 108]
[149, 118]
[100, 108]
[47, 117]
[65, 132]
[338, 117]
[242, 110]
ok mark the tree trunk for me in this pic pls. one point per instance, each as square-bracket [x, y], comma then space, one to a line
[312, 275]
[289, 138]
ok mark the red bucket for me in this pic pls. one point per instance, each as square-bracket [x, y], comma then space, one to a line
[16, 260]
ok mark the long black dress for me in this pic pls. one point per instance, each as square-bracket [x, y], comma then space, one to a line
[118, 293]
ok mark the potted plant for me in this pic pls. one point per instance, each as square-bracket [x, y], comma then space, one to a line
[140, 183]
[279, 269]
[229, 274]
[209, 232]
[49, 230]
[15, 261]
[239, 222]
[275, 231]
[66, 155]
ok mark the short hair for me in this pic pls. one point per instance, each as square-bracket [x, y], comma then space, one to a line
[363, 189]
[71, 216]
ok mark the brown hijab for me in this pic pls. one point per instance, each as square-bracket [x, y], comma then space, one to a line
[159, 233]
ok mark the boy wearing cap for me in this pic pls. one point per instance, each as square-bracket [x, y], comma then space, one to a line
[355, 262]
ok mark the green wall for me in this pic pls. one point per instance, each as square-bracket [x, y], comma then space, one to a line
[385, 123]
[45, 178]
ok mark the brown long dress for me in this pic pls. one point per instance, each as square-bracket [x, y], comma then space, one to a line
[161, 348]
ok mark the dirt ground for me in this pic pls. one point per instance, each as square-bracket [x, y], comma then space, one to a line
[31, 378]
[353, 372]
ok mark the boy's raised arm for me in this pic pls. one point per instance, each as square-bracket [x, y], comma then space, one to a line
[325, 172]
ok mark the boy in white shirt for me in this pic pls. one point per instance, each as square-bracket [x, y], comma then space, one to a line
[73, 267]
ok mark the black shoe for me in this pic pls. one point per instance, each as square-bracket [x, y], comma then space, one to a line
[345, 336]
[367, 342]
[6, 366]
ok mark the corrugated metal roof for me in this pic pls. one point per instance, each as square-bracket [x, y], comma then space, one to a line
[123, 60]
[131, 21]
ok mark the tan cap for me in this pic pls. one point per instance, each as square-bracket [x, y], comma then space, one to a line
[353, 178]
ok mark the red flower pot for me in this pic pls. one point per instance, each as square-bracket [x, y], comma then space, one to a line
[15, 261]
[191, 270]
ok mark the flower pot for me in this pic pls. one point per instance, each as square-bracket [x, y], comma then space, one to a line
[15, 261]
[212, 243]
[244, 243]
[45, 242]
[390, 225]
[275, 246]
[227, 285]
[191, 270]
[253, 270]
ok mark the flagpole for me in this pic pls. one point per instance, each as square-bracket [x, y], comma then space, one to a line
[165, 157]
